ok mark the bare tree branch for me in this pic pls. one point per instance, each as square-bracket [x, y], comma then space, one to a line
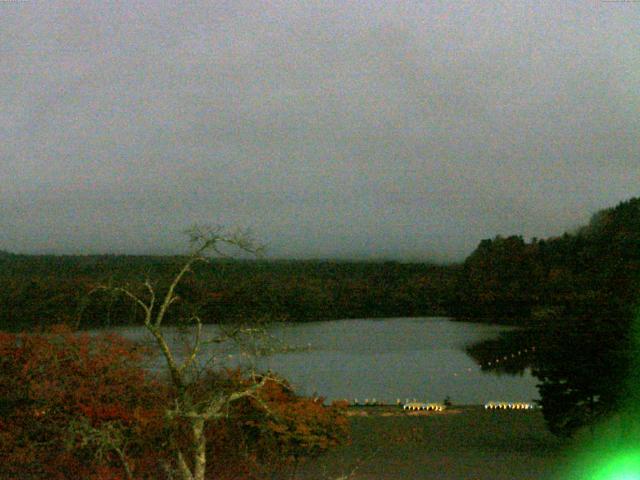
[191, 461]
[170, 296]
[196, 347]
[135, 298]
[152, 294]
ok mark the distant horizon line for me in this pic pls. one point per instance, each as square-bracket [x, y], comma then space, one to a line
[373, 259]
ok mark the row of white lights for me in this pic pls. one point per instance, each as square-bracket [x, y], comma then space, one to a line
[513, 355]
[415, 405]
[433, 407]
[508, 406]
[373, 402]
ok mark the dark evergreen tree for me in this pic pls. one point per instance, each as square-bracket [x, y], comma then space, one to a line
[576, 295]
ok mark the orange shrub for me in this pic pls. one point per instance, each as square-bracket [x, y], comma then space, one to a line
[78, 406]
[279, 429]
[68, 401]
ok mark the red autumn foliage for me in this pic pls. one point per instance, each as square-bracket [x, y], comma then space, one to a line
[279, 430]
[69, 401]
[58, 387]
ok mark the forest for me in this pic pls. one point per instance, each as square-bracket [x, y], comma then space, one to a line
[504, 280]
[44, 289]
[576, 297]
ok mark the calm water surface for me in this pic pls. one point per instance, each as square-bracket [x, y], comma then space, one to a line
[385, 359]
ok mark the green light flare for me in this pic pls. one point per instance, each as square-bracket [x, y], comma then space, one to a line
[597, 463]
[613, 453]
[625, 466]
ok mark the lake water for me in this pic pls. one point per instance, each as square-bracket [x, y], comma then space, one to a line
[385, 359]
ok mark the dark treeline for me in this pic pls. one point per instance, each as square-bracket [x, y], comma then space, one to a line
[505, 280]
[518, 282]
[44, 289]
[577, 296]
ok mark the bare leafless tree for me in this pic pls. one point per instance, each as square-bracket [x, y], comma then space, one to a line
[195, 411]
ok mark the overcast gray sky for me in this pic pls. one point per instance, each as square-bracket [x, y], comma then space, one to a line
[384, 129]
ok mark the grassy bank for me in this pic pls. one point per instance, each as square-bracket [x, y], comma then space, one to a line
[461, 443]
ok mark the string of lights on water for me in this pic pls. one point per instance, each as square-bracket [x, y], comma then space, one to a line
[519, 353]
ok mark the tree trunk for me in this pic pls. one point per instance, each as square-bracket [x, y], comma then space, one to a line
[183, 468]
[200, 449]
[197, 451]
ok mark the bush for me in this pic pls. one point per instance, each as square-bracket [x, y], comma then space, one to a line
[76, 406]
[79, 406]
[278, 430]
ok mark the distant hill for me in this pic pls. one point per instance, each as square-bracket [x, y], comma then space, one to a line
[510, 280]
[45, 289]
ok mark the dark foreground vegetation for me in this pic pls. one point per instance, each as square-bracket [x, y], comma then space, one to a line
[76, 406]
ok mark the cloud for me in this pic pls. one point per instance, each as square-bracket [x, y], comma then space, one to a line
[368, 129]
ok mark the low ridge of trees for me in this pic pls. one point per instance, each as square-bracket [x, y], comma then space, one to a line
[40, 290]
[598, 266]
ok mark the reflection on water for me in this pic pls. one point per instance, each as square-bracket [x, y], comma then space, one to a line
[385, 359]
